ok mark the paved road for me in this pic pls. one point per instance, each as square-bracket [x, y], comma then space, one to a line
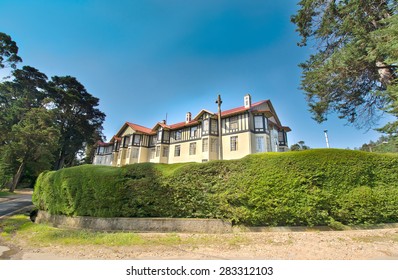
[14, 203]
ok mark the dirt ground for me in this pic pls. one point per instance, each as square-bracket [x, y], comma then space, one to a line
[320, 245]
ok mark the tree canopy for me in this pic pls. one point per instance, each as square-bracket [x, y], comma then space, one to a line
[44, 123]
[78, 118]
[299, 146]
[8, 51]
[354, 71]
[385, 144]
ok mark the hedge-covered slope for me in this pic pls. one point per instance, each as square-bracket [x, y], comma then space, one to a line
[314, 187]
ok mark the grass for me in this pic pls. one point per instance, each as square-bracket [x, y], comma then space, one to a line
[4, 194]
[169, 169]
[19, 227]
[372, 239]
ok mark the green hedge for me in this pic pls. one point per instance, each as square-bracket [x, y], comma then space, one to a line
[314, 187]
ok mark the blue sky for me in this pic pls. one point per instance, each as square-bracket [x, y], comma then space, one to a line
[147, 58]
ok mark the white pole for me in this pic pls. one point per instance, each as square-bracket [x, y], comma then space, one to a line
[327, 139]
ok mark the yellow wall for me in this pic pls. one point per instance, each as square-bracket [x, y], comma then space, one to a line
[127, 131]
[244, 145]
[184, 154]
[143, 155]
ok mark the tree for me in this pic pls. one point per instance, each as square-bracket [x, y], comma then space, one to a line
[32, 142]
[299, 146]
[385, 144]
[386, 39]
[8, 51]
[354, 72]
[26, 91]
[28, 133]
[78, 118]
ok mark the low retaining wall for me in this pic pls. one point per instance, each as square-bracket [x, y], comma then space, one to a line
[176, 225]
[136, 224]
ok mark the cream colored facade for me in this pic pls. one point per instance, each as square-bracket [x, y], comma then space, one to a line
[251, 128]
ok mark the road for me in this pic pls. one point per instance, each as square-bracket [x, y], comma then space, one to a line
[14, 203]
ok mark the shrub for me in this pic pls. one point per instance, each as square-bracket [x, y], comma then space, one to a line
[314, 187]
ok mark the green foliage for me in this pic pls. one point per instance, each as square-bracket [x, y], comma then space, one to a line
[44, 122]
[79, 119]
[8, 51]
[385, 144]
[354, 70]
[299, 146]
[313, 187]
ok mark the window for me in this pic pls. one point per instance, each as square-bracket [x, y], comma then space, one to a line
[214, 129]
[194, 132]
[205, 145]
[165, 152]
[134, 153]
[177, 150]
[117, 146]
[152, 153]
[192, 148]
[125, 141]
[213, 145]
[206, 126]
[258, 123]
[166, 136]
[178, 134]
[234, 143]
[153, 140]
[136, 140]
[159, 138]
[260, 144]
[233, 123]
[274, 140]
[157, 151]
[282, 137]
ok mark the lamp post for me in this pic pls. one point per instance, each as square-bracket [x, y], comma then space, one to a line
[218, 102]
[326, 137]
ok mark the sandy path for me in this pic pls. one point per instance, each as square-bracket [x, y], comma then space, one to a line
[331, 245]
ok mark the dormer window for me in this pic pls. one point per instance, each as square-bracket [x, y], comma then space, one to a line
[153, 140]
[136, 139]
[233, 123]
[166, 136]
[125, 141]
[214, 127]
[194, 132]
[159, 138]
[260, 123]
[206, 126]
[178, 135]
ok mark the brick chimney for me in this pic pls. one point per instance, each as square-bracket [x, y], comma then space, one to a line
[248, 101]
[188, 117]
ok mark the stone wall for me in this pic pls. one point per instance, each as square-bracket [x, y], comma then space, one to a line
[136, 224]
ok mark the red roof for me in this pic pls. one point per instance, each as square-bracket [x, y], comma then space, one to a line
[139, 128]
[183, 124]
[229, 112]
[240, 109]
[104, 144]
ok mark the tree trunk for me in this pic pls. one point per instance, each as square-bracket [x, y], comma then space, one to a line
[385, 73]
[60, 162]
[17, 177]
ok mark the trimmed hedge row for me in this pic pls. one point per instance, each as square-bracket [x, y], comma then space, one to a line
[314, 187]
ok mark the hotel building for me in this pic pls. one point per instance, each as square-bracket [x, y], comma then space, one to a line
[251, 128]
